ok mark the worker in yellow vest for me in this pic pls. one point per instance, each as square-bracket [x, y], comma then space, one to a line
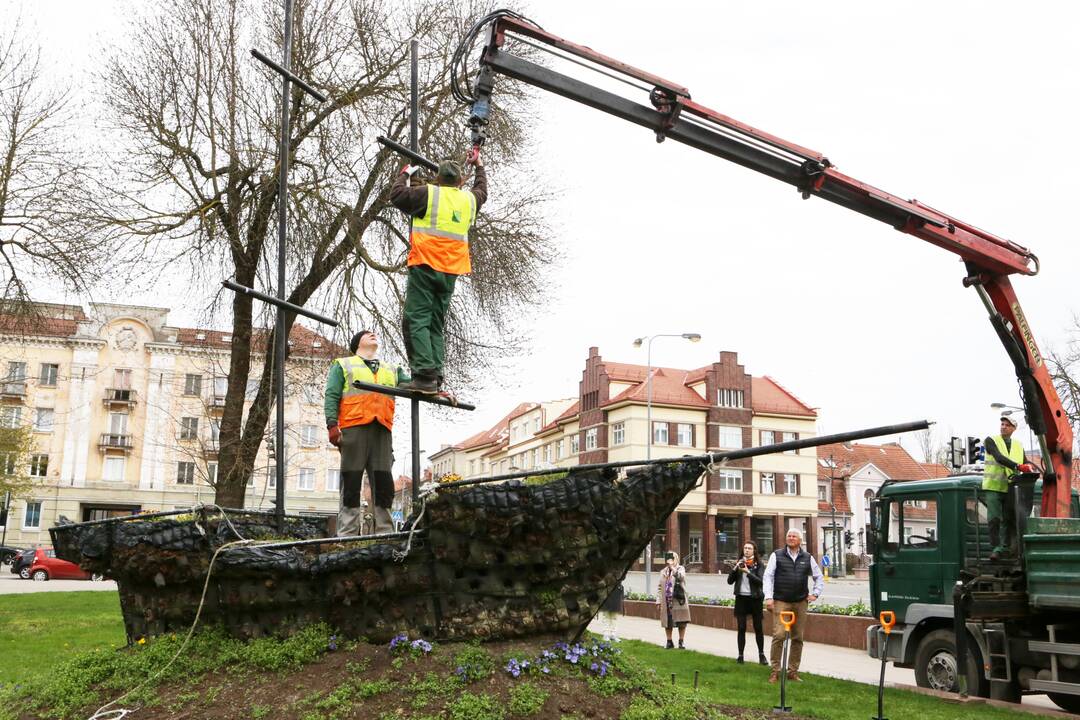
[442, 213]
[1004, 460]
[359, 424]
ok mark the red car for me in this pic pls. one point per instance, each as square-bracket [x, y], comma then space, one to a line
[46, 566]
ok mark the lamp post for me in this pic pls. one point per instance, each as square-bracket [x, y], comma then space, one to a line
[648, 340]
[1007, 410]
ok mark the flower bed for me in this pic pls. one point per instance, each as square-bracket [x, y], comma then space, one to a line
[831, 629]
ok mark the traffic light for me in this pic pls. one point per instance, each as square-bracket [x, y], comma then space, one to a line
[975, 450]
[848, 539]
[956, 452]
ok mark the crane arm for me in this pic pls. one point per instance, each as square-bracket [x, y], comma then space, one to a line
[669, 112]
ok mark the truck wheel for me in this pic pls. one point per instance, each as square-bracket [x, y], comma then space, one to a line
[1068, 703]
[935, 665]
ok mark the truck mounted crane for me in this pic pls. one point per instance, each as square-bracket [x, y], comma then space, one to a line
[1021, 617]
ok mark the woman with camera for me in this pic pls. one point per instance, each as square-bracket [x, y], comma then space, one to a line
[672, 599]
[749, 594]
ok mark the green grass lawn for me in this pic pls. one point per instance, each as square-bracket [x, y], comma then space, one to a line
[724, 682]
[38, 630]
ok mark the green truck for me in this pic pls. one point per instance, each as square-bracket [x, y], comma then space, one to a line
[931, 561]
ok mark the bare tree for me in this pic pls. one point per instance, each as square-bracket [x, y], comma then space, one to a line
[200, 118]
[928, 445]
[1065, 370]
[48, 221]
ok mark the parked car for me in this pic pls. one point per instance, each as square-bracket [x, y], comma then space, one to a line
[20, 564]
[8, 553]
[46, 566]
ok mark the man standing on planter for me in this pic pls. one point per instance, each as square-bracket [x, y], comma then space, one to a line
[442, 214]
[359, 424]
[785, 590]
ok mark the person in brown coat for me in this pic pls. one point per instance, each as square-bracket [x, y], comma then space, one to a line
[672, 598]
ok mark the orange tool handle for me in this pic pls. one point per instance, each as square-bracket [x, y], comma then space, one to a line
[887, 618]
[787, 619]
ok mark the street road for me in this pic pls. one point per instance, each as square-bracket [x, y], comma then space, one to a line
[837, 592]
[13, 584]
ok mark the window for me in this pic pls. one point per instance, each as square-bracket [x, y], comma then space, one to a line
[590, 439]
[251, 389]
[684, 434]
[122, 379]
[333, 479]
[114, 468]
[211, 474]
[575, 444]
[791, 484]
[43, 419]
[185, 473]
[618, 433]
[558, 449]
[7, 463]
[790, 437]
[307, 479]
[10, 416]
[118, 423]
[822, 492]
[768, 437]
[729, 398]
[32, 516]
[768, 484]
[271, 477]
[727, 536]
[920, 523]
[39, 465]
[730, 437]
[189, 428]
[49, 373]
[547, 453]
[192, 384]
[215, 432]
[16, 371]
[660, 433]
[309, 435]
[536, 425]
[221, 386]
[730, 480]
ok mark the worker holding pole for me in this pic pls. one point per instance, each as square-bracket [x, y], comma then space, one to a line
[442, 214]
[785, 591]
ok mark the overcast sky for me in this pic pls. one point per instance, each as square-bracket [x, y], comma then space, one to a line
[970, 107]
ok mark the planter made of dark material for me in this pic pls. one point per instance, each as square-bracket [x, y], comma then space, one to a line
[841, 630]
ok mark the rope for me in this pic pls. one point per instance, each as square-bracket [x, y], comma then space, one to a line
[117, 714]
[426, 490]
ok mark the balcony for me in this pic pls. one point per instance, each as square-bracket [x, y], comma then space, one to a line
[119, 396]
[216, 403]
[116, 441]
[211, 448]
[13, 390]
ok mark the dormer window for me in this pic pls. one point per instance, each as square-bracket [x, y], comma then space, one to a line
[200, 336]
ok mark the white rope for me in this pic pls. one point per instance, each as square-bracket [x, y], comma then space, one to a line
[426, 490]
[119, 713]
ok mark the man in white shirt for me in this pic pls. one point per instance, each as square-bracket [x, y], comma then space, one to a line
[785, 590]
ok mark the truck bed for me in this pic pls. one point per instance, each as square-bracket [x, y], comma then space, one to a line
[1052, 555]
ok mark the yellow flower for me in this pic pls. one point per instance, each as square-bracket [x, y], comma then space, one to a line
[142, 641]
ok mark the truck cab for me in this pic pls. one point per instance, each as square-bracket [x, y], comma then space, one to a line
[927, 535]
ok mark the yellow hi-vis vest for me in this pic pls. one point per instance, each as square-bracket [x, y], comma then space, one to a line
[996, 476]
[360, 407]
[440, 237]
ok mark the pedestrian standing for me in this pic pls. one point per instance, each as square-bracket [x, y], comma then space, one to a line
[442, 214]
[785, 579]
[746, 576]
[672, 599]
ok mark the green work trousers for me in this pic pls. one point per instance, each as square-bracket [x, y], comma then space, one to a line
[1010, 510]
[427, 301]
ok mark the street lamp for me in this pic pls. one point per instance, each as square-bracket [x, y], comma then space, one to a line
[648, 340]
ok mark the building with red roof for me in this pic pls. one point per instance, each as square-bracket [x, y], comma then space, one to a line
[692, 411]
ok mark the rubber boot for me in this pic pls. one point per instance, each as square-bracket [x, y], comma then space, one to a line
[383, 522]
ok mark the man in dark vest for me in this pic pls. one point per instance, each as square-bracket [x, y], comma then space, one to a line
[785, 590]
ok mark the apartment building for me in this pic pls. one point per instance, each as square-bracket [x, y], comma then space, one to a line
[713, 408]
[125, 410]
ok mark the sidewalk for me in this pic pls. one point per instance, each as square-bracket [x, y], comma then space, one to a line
[818, 659]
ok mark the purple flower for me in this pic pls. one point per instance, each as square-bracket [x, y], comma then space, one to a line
[332, 645]
[398, 640]
[422, 645]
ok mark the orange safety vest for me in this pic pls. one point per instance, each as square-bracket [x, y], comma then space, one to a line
[360, 407]
[440, 237]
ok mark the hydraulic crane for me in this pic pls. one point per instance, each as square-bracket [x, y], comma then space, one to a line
[671, 113]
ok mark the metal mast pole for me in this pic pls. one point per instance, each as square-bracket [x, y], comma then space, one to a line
[283, 208]
[414, 145]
